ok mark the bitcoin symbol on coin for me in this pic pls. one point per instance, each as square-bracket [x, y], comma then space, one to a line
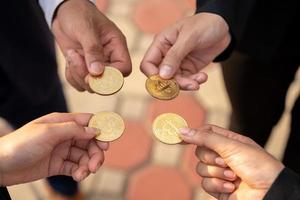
[110, 124]
[166, 128]
[162, 89]
[110, 82]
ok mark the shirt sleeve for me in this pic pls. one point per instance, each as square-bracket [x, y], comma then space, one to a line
[234, 12]
[49, 7]
[286, 186]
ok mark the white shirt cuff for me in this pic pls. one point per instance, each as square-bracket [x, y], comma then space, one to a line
[49, 7]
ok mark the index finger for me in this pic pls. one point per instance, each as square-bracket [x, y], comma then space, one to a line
[219, 143]
[228, 133]
[152, 59]
[119, 55]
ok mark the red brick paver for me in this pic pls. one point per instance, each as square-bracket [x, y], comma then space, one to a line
[188, 165]
[132, 149]
[151, 16]
[158, 183]
[185, 105]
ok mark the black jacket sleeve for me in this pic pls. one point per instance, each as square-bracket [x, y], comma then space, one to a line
[4, 194]
[234, 12]
[285, 187]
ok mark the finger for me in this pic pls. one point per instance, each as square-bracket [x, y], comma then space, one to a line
[216, 142]
[186, 83]
[215, 185]
[209, 171]
[71, 80]
[83, 170]
[77, 68]
[119, 54]
[80, 82]
[209, 157]
[78, 155]
[80, 118]
[60, 132]
[103, 145]
[152, 59]
[68, 168]
[76, 61]
[80, 173]
[82, 144]
[96, 157]
[200, 77]
[174, 57]
[220, 196]
[93, 51]
[229, 134]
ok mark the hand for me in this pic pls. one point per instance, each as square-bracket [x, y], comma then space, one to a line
[182, 50]
[232, 166]
[89, 41]
[56, 144]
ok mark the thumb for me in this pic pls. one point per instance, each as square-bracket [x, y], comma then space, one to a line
[93, 52]
[174, 58]
[60, 132]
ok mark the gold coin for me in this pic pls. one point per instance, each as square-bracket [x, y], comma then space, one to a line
[166, 128]
[161, 88]
[110, 124]
[110, 82]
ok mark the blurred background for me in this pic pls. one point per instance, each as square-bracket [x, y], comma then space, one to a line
[137, 166]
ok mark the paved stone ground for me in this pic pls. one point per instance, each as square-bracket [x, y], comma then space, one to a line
[137, 166]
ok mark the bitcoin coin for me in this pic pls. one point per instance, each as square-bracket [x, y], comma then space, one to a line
[110, 82]
[166, 128]
[110, 124]
[161, 88]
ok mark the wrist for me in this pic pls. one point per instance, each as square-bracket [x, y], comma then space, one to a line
[275, 170]
[65, 4]
[6, 155]
[57, 8]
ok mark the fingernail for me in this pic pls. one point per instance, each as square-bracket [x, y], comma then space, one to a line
[191, 87]
[92, 130]
[165, 71]
[95, 67]
[200, 78]
[220, 161]
[228, 186]
[187, 131]
[229, 173]
[83, 175]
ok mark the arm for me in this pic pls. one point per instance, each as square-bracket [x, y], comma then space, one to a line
[87, 38]
[56, 144]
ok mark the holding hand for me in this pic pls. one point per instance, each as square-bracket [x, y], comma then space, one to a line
[89, 41]
[232, 166]
[56, 144]
[184, 49]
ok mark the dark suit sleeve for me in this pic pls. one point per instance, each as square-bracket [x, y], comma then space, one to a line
[4, 194]
[234, 12]
[285, 187]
